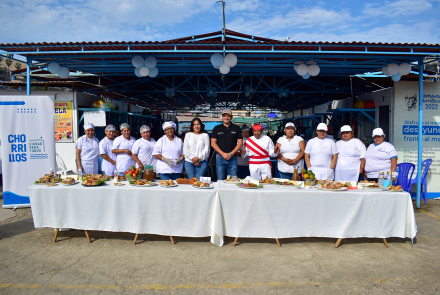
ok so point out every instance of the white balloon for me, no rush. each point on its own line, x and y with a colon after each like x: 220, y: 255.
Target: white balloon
x: 247, y: 94
x: 306, y: 76
x: 172, y: 94
x: 280, y: 94
x: 314, y: 70
x: 63, y: 72
x: 404, y: 69
x: 302, y: 69
x: 393, y: 69
x: 138, y: 61
x: 217, y: 59
x: 167, y: 89
x: 385, y: 71
x: 251, y: 90
x: 153, y: 72
x: 54, y: 67
x: 137, y: 73
x: 144, y: 71
x: 247, y: 88
x: 216, y: 67
x: 396, y: 77
x: 230, y: 60
x: 214, y: 94
x: 311, y: 62
x: 172, y: 89
x: 286, y: 90
x: 224, y: 69
x: 150, y: 62
x: 298, y: 62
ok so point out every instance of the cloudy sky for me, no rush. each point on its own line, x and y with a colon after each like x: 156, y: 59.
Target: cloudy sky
x: 414, y: 21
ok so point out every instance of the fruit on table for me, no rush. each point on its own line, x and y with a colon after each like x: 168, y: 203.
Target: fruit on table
x: 132, y: 168
x: 304, y: 171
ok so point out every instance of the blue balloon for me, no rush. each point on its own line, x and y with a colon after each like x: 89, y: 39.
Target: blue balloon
x: 396, y: 77
x: 306, y: 76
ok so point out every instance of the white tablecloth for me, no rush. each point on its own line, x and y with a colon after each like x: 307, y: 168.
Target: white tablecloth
x: 275, y: 213
x: 178, y: 211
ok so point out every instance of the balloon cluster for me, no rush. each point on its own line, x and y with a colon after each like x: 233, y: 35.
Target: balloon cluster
x: 224, y: 64
x: 305, y: 70
x: 145, y: 67
x: 283, y: 92
x: 55, y: 68
x: 396, y: 71
x: 211, y: 91
x: 248, y: 90
x: 169, y: 92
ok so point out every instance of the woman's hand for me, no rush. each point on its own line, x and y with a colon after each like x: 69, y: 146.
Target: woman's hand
x: 293, y: 162
x: 287, y: 161
x: 197, y: 164
x: 128, y: 152
x: 195, y: 160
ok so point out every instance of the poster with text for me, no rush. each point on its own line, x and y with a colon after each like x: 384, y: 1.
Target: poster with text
x: 63, y: 121
x: 406, y: 120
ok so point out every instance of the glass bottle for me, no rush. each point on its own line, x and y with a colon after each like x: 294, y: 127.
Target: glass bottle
x: 295, y: 175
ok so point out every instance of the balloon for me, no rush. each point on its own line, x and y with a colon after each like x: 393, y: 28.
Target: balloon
x: 393, y: 69
x: 150, y: 62
x: 172, y: 94
x: 230, y: 60
x: 314, y: 70
x: 54, y: 67
x: 216, y: 67
x: 280, y: 94
x: 153, y: 72
x: 217, y: 59
x: 311, y: 62
x: 251, y: 90
x: 137, y: 73
x: 63, y: 72
x: 214, y: 88
x: 302, y: 69
x: 224, y: 69
x: 247, y: 88
x: 247, y: 94
x: 396, y: 77
x: 298, y: 62
x: 306, y: 76
x: 385, y: 71
x: 138, y: 61
x: 167, y: 89
x: 208, y: 88
x: 404, y: 69
x: 144, y: 71
x: 286, y: 90
x: 214, y: 94
x: 210, y: 92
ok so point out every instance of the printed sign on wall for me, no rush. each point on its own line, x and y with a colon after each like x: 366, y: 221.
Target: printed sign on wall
x: 63, y: 121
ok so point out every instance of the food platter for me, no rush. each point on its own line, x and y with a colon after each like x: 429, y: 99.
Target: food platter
x: 67, y: 184
x: 335, y: 190
x: 209, y: 187
x: 173, y: 185
x: 118, y: 184
x: 230, y: 182
x: 51, y: 184
x: 373, y: 189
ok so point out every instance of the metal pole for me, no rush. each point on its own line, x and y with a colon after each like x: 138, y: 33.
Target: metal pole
x: 28, y: 75
x: 420, y: 139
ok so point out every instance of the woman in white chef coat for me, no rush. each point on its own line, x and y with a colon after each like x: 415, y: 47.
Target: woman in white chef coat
x: 142, y: 150
x: 169, y: 152
x: 196, y: 147
x: 108, y: 164
x: 321, y: 154
x: 351, y: 156
x: 122, y: 146
x: 291, y: 152
x: 87, y: 151
x: 380, y: 156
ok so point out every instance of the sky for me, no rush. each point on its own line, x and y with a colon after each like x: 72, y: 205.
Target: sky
x: 405, y: 21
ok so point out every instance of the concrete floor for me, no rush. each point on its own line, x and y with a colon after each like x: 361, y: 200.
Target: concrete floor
x: 32, y: 264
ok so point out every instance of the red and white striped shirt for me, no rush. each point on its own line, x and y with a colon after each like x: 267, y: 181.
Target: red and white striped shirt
x: 259, y: 150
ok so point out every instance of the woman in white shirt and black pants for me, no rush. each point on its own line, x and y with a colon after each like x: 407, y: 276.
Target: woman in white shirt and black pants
x: 196, y: 148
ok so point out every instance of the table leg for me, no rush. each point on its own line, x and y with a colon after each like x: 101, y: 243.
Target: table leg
x: 385, y: 242
x: 278, y: 243
x: 235, y: 241
x: 171, y: 238
x: 56, y: 234
x: 87, y: 235
x: 135, y: 239
x: 337, y: 243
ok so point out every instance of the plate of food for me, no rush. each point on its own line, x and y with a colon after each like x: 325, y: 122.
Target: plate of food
x: 290, y: 185
x: 267, y: 181
x: 93, y: 182
x: 118, y: 183
x: 167, y: 183
x: 232, y: 180
x: 69, y: 181
x: 51, y: 184
x: 248, y: 185
x: 335, y: 186
x: 95, y: 177
x: 201, y: 185
x: 373, y: 188
x: 142, y: 182
x: 47, y: 178
x: 395, y: 189
x: 121, y: 177
x: 186, y: 180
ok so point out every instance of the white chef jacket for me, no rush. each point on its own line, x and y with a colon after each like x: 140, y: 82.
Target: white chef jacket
x: 171, y: 150
x: 144, y: 150
x: 290, y: 150
x: 123, y: 160
x: 321, y: 152
x: 196, y: 145
x: 89, y: 154
x: 378, y: 158
x: 243, y: 160
x: 350, y: 154
x: 105, y: 148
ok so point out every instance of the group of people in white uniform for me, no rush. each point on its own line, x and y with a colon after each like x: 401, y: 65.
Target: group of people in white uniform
x: 344, y: 160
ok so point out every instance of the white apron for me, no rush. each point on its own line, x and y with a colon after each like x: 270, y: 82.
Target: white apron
x: 321, y: 160
x: 349, y: 162
x: 170, y: 150
x: 89, y: 156
x: 145, y: 154
x: 106, y: 148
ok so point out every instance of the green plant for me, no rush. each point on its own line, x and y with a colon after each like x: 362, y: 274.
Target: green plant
x: 17, y: 65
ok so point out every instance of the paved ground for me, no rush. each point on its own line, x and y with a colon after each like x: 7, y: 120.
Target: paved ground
x: 31, y: 264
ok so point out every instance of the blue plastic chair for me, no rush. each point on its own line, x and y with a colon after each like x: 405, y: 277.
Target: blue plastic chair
x: 405, y: 169
x: 425, y: 169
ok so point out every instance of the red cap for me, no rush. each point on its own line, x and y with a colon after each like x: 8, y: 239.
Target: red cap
x: 257, y: 127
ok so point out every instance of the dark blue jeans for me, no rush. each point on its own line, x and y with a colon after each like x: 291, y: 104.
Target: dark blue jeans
x: 166, y: 176
x: 286, y: 175
x: 194, y: 171
x: 224, y: 166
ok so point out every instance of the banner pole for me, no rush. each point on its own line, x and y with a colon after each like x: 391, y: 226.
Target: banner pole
x: 28, y: 75
x: 420, y: 139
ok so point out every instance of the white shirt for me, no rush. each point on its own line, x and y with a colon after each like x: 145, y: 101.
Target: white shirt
x: 378, y: 158
x: 105, y: 148
x: 265, y: 143
x: 144, y: 150
x: 123, y: 160
x: 196, y: 145
x: 243, y: 160
x: 321, y: 152
x: 350, y: 154
x: 89, y: 148
x: 290, y: 150
x: 171, y: 150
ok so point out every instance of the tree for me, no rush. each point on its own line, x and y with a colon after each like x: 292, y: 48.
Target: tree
x: 8, y: 62
x: 17, y: 65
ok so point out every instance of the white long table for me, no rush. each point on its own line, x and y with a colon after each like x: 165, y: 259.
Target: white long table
x: 271, y: 212
x: 178, y: 211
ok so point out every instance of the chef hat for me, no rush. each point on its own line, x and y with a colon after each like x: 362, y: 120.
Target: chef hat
x: 290, y: 124
x: 322, y: 126
x: 257, y: 127
x: 124, y: 125
x: 145, y: 128
x: 346, y: 128
x: 245, y: 127
x: 110, y: 128
x: 88, y: 126
x: 378, y: 132
x: 169, y: 124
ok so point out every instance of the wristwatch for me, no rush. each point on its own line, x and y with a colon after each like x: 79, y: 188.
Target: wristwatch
x: 231, y: 154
